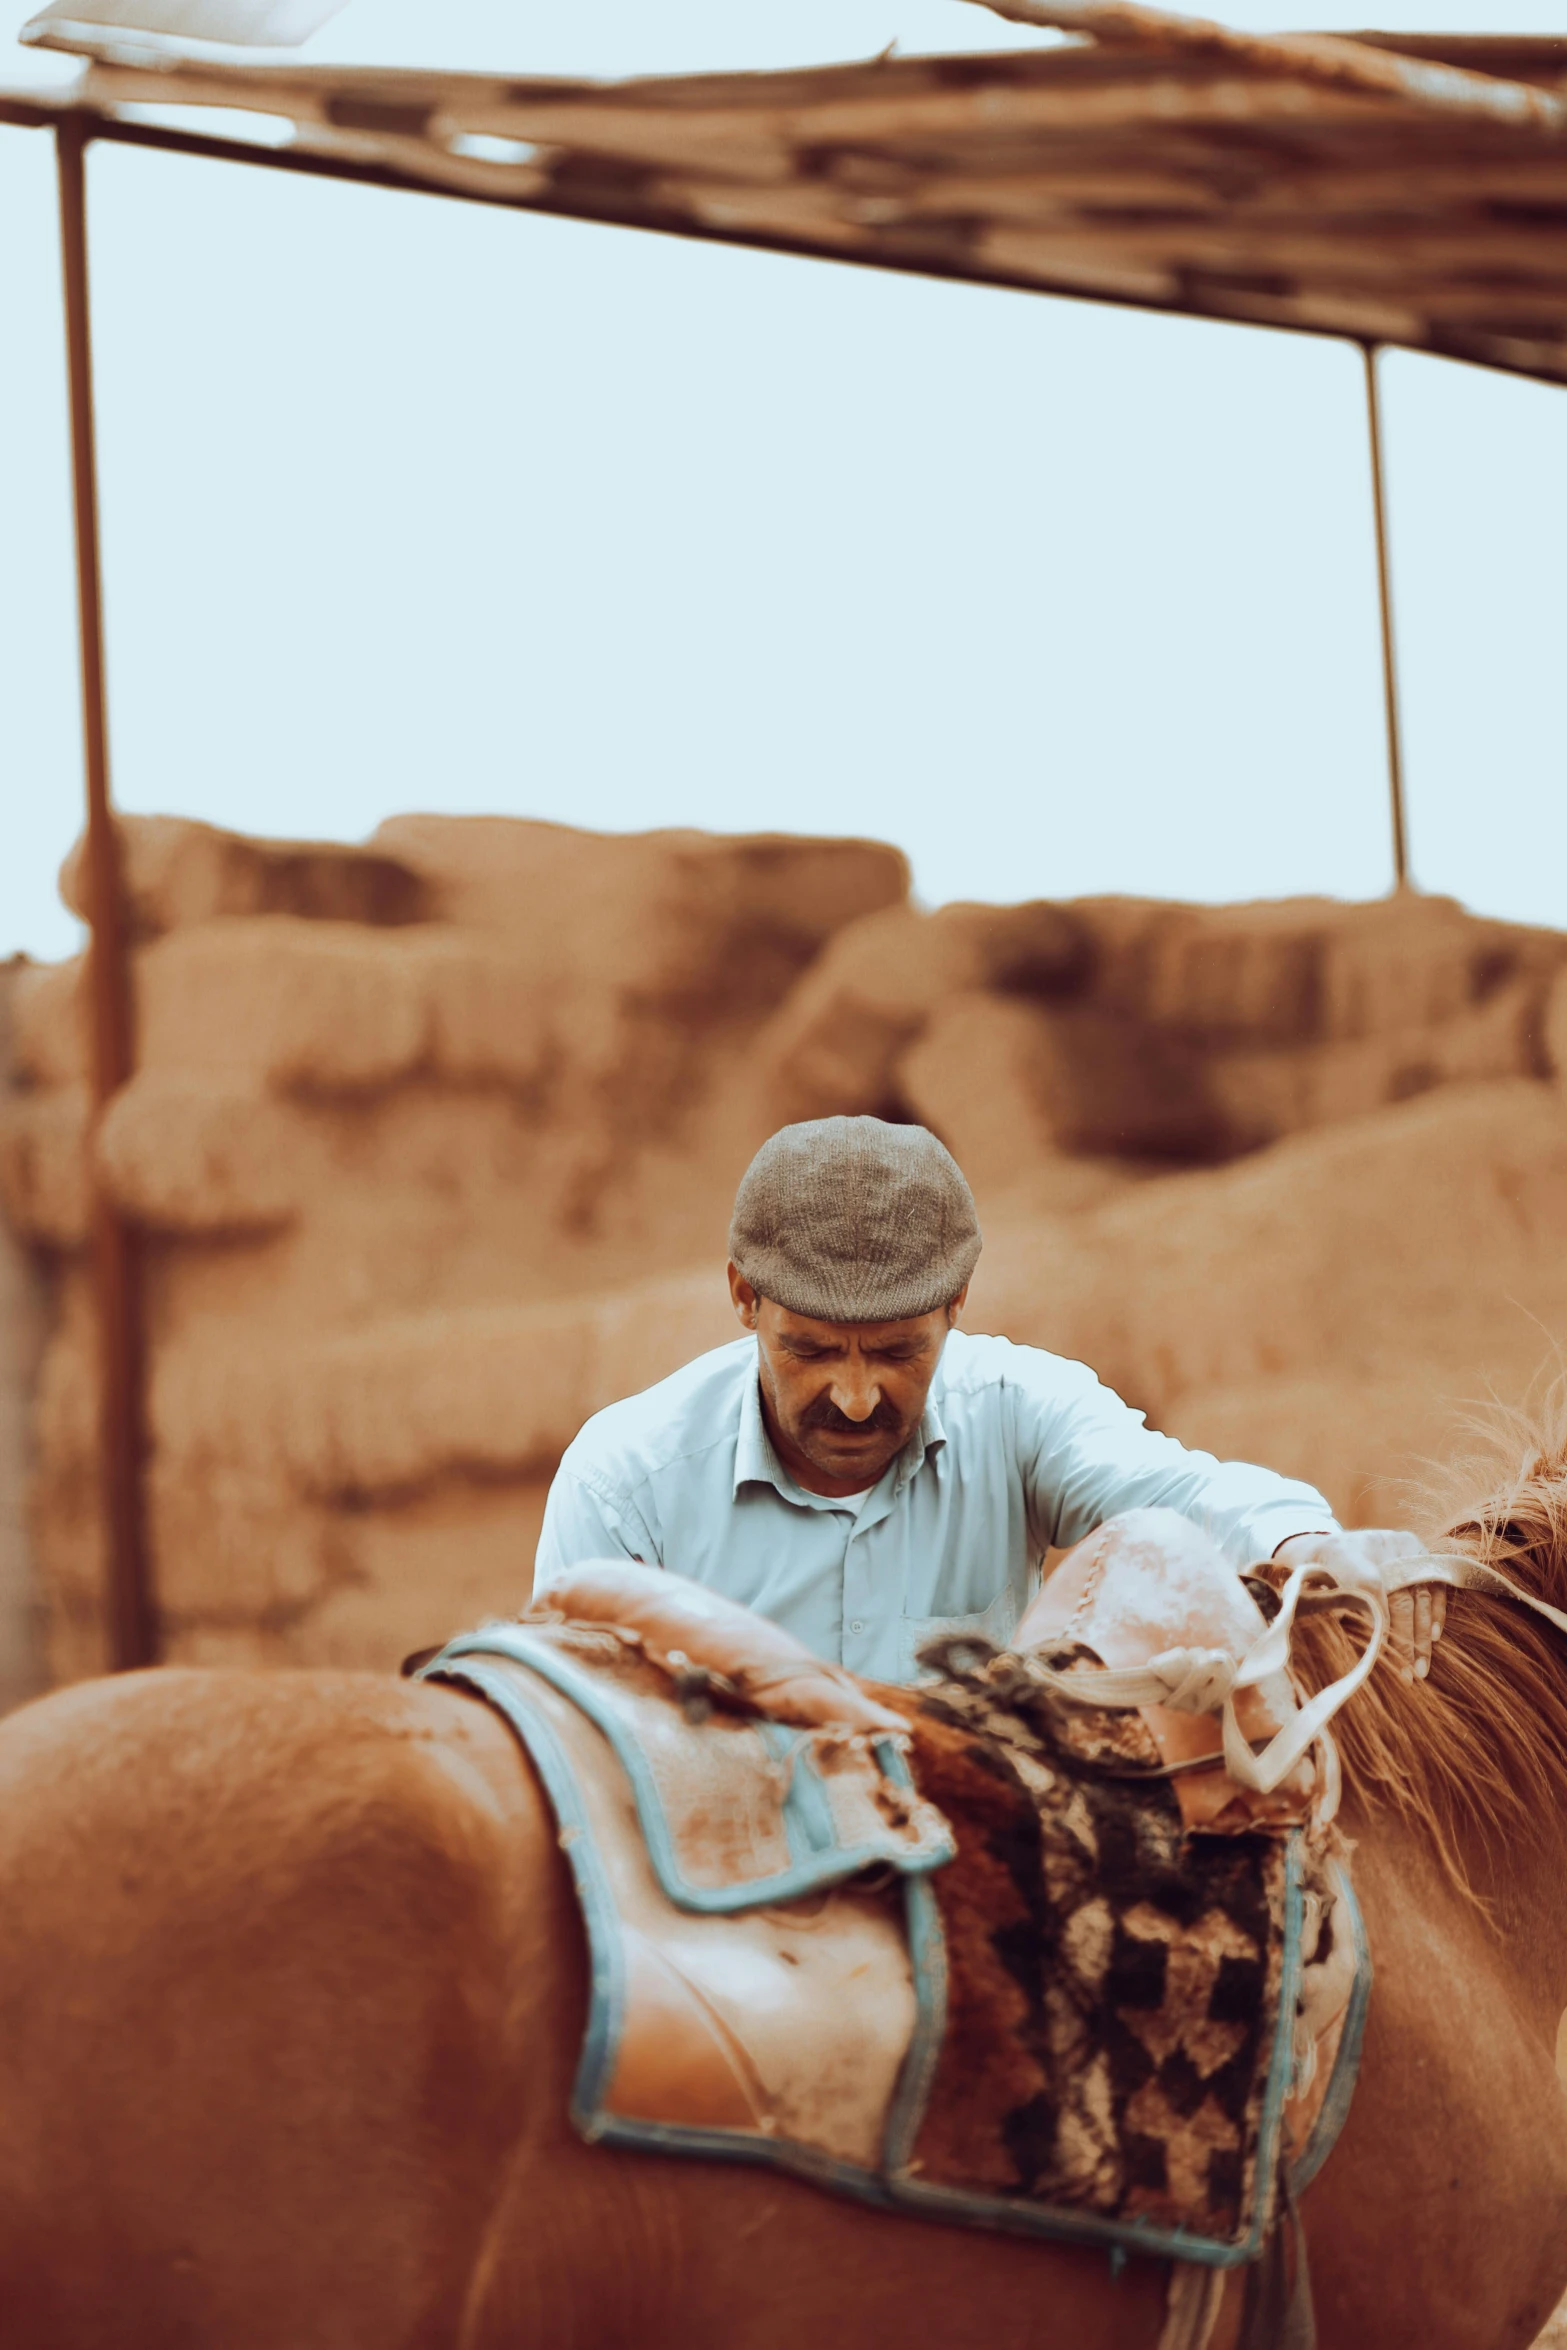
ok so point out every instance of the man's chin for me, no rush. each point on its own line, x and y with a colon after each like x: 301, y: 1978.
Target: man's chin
x: 848, y: 1456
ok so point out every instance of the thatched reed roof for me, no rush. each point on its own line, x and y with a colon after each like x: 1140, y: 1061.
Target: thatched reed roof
x: 1395, y: 189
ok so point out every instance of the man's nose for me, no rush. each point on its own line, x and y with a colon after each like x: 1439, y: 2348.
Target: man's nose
x: 855, y: 1394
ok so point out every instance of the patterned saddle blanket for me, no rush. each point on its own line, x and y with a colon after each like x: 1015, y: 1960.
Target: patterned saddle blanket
x: 979, y: 1968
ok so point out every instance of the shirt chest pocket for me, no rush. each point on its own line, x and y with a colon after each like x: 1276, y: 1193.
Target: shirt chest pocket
x: 995, y: 1623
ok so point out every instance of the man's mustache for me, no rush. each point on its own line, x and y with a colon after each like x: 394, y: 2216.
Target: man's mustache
x: 823, y: 1413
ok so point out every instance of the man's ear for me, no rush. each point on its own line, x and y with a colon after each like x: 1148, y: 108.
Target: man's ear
x: 956, y: 1307
x: 745, y: 1298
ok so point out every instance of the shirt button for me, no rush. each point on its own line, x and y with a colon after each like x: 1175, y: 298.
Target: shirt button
x: 857, y: 1625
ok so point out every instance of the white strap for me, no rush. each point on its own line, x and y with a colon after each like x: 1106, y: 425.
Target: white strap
x: 1192, y: 1680
x: 1265, y: 1771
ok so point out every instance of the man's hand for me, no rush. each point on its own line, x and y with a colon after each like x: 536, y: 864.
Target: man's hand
x: 1363, y: 1558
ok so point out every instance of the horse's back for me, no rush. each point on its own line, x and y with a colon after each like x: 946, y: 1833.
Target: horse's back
x: 262, y: 2051
x: 291, y: 1994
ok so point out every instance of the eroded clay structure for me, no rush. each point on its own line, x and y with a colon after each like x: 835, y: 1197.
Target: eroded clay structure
x: 433, y: 1144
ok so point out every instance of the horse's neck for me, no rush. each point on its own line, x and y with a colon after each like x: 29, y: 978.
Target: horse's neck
x: 1455, y: 2160
x: 1516, y: 1940
x: 1527, y: 1889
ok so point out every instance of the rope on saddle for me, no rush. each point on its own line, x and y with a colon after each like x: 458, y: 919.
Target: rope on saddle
x: 1205, y: 1680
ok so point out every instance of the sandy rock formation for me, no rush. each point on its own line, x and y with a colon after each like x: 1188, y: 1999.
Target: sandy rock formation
x: 1182, y: 1033
x: 411, y: 1128
x: 977, y: 1075
x: 177, y: 873
x: 1332, y: 1306
x: 202, y: 1152
x: 433, y: 1142
x: 836, y: 1045
x: 1554, y: 1027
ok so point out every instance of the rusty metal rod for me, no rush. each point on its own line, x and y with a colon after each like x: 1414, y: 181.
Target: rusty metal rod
x: 116, y: 1256
x: 1395, y: 745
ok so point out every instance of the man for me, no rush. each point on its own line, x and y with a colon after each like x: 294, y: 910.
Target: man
x: 869, y: 1476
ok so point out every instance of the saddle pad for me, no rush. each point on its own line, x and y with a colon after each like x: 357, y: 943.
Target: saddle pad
x: 782, y: 2034
x: 1121, y: 2043
x: 1083, y: 2025
x: 736, y: 1810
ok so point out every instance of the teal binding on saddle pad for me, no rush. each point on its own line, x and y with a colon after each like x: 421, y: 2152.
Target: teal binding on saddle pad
x: 488, y: 1662
x: 1334, y: 2111
x: 824, y: 1847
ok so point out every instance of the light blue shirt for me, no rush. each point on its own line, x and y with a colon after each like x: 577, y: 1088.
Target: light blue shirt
x: 1018, y: 1452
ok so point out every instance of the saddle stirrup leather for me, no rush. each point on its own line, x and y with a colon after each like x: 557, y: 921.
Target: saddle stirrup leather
x: 1192, y: 2309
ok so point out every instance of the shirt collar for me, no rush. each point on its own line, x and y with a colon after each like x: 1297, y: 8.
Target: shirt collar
x: 927, y: 1438
x: 756, y: 1463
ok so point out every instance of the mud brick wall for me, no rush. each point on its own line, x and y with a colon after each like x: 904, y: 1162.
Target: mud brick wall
x: 1186, y: 1034
x: 410, y: 1128
x: 432, y: 1145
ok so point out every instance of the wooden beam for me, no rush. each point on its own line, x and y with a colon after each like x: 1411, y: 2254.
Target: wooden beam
x: 1328, y: 61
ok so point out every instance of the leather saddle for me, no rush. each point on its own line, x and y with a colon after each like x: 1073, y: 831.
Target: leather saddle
x: 804, y: 1898
x: 714, y: 1647
x: 1149, y: 1586
x: 1146, y: 1586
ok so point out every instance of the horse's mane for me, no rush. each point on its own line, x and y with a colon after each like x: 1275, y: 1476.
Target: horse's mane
x: 1477, y: 1754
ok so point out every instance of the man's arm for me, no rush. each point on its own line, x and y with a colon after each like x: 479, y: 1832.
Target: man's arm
x: 1086, y: 1456
x: 583, y: 1521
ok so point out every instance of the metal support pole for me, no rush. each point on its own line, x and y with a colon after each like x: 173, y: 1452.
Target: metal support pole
x: 1395, y: 747
x: 116, y: 1257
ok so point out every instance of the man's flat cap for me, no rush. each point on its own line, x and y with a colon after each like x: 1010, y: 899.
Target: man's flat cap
x: 853, y: 1220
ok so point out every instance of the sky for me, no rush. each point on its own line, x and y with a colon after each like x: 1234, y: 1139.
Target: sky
x: 415, y: 505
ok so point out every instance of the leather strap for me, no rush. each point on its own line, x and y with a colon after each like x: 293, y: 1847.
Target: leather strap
x: 1192, y: 2305
x: 1279, y: 2313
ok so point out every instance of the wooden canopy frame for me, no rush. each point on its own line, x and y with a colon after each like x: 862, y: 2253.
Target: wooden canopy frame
x: 1381, y: 188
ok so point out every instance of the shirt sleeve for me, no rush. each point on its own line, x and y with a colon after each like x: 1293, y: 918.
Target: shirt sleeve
x: 583, y: 1520
x: 1085, y: 1455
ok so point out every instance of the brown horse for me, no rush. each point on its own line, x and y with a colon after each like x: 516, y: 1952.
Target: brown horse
x: 292, y: 1983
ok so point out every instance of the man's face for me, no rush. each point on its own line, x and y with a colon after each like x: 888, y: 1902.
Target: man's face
x: 842, y: 1398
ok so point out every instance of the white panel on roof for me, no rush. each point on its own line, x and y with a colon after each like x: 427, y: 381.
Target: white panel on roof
x: 267, y: 24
